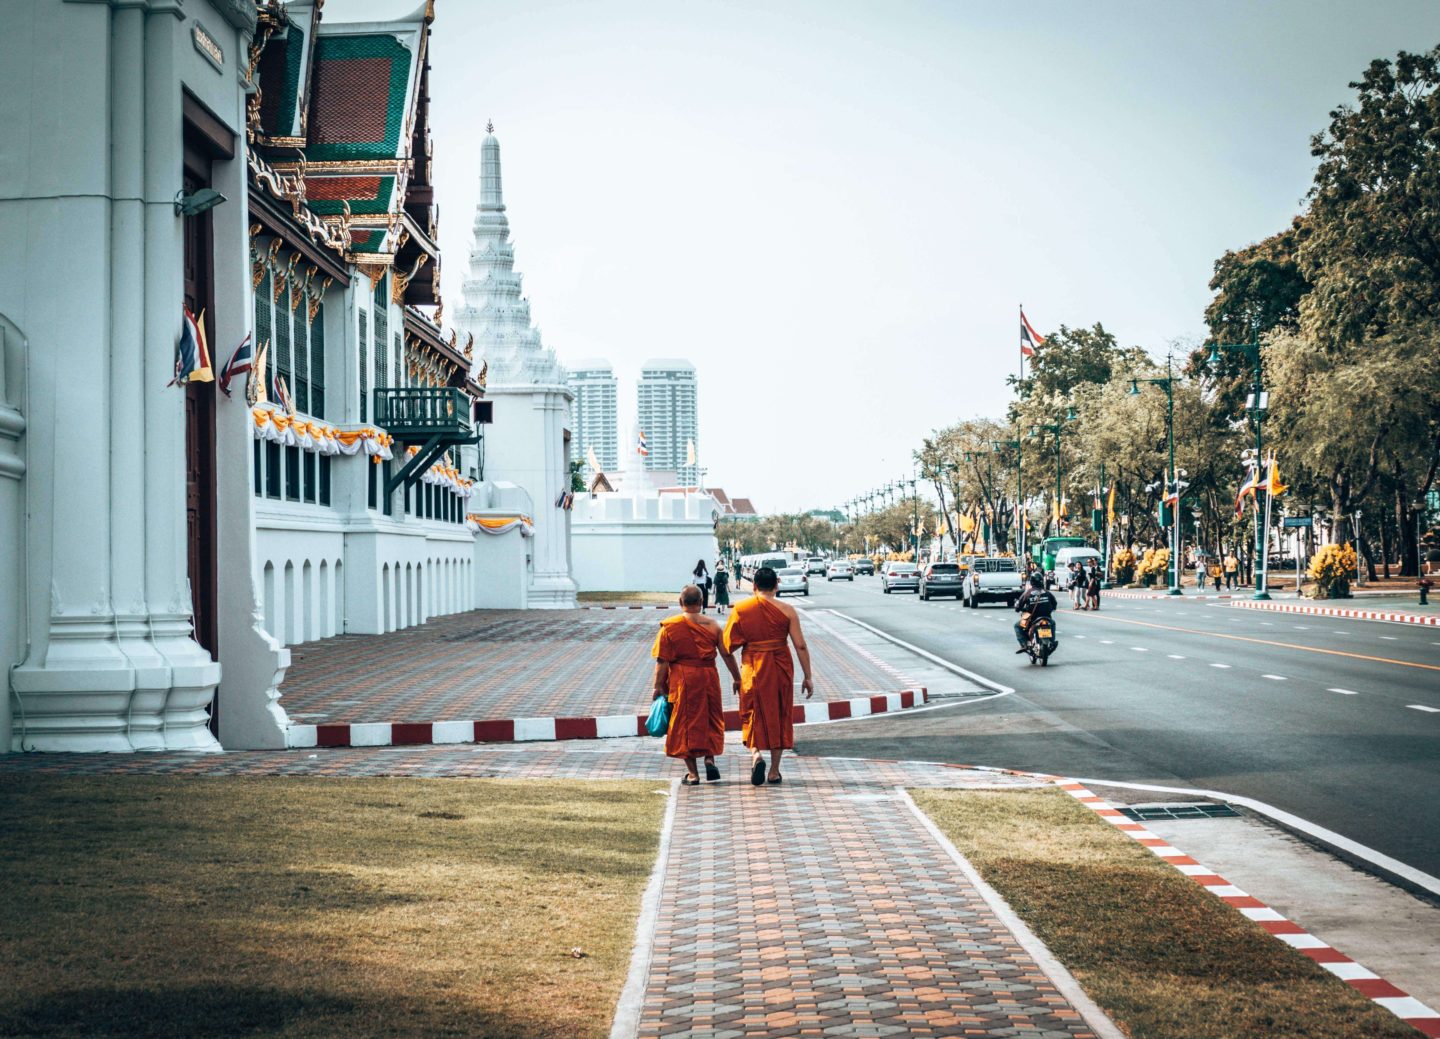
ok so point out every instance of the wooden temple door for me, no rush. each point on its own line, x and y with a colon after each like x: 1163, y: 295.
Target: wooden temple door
x: 200, y: 508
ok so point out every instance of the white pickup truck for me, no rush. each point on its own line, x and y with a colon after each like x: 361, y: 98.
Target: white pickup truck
x: 993, y: 579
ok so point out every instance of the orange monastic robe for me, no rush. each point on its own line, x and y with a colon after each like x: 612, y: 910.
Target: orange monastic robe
x: 767, y: 674
x: 697, y: 719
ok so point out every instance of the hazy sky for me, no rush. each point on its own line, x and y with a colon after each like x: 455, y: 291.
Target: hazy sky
x: 833, y: 208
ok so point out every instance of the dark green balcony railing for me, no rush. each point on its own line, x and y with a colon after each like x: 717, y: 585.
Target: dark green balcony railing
x: 418, y: 413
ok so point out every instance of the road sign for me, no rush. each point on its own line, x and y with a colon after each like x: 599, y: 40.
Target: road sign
x: 1298, y: 521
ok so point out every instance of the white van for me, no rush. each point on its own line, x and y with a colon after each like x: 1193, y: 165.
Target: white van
x: 1060, y: 576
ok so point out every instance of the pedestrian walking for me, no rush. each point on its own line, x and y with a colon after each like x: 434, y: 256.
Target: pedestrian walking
x: 702, y: 581
x: 685, y: 674
x: 722, y: 587
x: 1200, y: 574
x: 1092, y: 587
x: 765, y: 627
x: 1077, y: 585
x: 1232, y: 569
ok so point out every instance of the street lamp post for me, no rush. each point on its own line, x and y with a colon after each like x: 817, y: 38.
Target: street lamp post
x: 1018, y: 445
x: 1255, y: 406
x: 914, y: 514
x: 1167, y: 383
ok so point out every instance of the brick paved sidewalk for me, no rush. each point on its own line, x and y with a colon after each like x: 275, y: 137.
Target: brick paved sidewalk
x: 520, y: 664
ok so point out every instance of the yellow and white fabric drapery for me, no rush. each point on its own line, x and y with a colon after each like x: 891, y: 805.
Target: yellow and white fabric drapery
x: 444, y: 474
x: 500, y: 524
x: 278, y: 427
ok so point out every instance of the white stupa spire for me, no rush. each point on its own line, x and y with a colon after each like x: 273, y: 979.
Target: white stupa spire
x: 495, y: 309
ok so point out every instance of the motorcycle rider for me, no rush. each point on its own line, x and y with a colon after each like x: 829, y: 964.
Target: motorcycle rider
x: 1038, y: 601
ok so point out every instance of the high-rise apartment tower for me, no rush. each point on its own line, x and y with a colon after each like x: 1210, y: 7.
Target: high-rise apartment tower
x: 594, y: 420
x: 668, y: 416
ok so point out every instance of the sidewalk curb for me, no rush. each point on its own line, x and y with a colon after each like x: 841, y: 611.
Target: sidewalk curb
x: 1124, y: 593
x: 626, y: 1023
x: 1037, y: 950
x: 1365, y: 981
x: 647, y: 606
x: 525, y: 730
x: 1347, y: 614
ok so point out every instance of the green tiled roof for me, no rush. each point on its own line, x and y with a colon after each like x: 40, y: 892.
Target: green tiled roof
x: 360, y: 87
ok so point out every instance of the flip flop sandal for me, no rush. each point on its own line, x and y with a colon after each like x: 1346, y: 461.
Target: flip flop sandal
x: 757, y: 772
x: 711, y: 772
x: 777, y: 779
x: 689, y: 780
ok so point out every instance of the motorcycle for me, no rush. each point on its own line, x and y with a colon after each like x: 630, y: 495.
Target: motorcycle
x: 1041, y: 642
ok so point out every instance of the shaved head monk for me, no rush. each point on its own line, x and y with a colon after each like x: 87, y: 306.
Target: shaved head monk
x: 764, y: 626
x: 685, y: 673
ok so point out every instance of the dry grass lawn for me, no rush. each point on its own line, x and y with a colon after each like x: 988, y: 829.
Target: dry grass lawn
x: 628, y: 598
x: 1166, y: 959
x: 309, y: 907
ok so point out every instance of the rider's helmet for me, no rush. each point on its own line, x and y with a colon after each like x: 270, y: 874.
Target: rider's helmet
x: 1036, y: 580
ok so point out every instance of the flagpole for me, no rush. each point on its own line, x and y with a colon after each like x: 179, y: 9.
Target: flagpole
x: 1260, y: 578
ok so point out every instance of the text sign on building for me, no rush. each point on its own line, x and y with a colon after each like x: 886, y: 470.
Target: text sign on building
x: 1298, y: 521
x: 207, y: 45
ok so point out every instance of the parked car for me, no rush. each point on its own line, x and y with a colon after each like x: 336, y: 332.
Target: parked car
x: 815, y: 565
x: 865, y: 566
x: 940, y: 579
x: 793, y: 579
x: 905, y: 576
x: 1060, y: 576
x: 839, y: 570
x: 995, y: 579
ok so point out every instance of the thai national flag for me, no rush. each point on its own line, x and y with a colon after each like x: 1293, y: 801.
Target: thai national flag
x: 192, y: 353
x: 1029, y: 338
x: 240, y: 362
x: 641, y: 447
x: 282, y: 394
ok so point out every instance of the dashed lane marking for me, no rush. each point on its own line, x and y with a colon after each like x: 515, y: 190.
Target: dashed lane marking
x: 1389, y: 638
x: 1422, y: 707
x: 1138, y: 649
x: 1274, y: 678
x: 1223, y: 667
x: 1282, y: 645
x: 1174, y: 656
x: 1339, y: 633
x: 1343, y: 692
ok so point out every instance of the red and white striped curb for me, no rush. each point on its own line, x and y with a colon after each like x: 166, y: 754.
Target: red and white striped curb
x: 1433, y: 620
x: 1118, y: 593
x: 524, y: 730
x: 1363, y: 980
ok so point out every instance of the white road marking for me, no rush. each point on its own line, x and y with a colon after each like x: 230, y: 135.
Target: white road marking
x: 1175, y: 656
x: 1301, y: 627
x: 1107, y: 642
x: 1078, y: 636
x: 1274, y: 678
x: 1422, y: 707
x: 1343, y: 692
x: 1139, y: 649
x: 1340, y: 633
x: 1389, y: 638
x: 1221, y: 666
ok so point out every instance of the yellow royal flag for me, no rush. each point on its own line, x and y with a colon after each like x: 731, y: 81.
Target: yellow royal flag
x: 257, y: 375
x: 967, y: 523
x: 689, y: 452
x: 1111, y: 508
x: 590, y: 457
x: 1273, y: 486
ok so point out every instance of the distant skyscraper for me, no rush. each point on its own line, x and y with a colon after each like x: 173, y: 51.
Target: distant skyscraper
x: 594, y: 421
x: 669, y: 417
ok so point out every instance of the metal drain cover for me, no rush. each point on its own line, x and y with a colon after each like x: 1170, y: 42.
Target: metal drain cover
x: 1180, y: 810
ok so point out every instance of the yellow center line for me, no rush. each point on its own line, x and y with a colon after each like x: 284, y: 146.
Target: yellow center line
x: 1268, y: 642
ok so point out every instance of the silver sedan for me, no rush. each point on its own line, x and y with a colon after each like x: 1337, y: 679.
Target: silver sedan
x: 792, y: 581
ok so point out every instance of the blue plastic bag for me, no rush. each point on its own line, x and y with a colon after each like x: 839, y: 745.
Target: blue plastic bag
x: 658, y: 724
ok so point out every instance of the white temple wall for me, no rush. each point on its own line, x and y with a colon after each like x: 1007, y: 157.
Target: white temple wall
x: 526, y: 447
x: 93, y: 154
x: 628, y: 543
x: 12, y: 507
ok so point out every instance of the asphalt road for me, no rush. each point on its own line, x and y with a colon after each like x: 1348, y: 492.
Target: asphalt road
x: 1321, y: 717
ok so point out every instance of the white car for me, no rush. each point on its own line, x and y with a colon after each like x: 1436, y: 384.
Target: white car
x: 840, y: 570
x: 815, y: 565
x: 793, y: 579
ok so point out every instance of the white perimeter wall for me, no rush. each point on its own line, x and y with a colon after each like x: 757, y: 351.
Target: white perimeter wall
x: 641, y: 544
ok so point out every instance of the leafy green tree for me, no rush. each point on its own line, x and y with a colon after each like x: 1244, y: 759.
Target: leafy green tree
x: 1373, y: 252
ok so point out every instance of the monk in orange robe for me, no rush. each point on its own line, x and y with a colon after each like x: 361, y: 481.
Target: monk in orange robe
x: 685, y: 673
x: 762, y: 625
